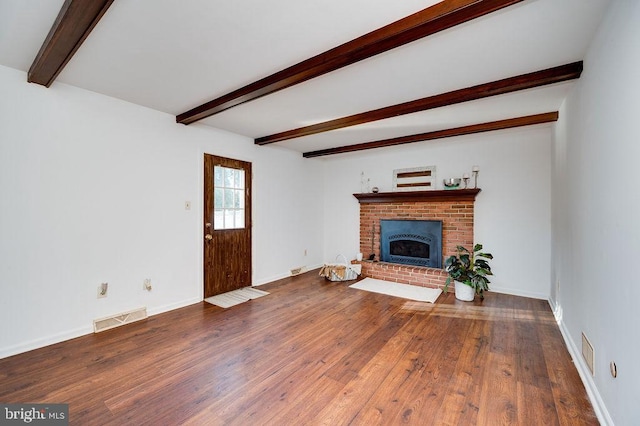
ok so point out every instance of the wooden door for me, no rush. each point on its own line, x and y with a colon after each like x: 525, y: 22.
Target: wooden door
x: 227, y: 224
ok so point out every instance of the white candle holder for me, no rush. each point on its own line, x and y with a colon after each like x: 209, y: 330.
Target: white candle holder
x: 475, y: 172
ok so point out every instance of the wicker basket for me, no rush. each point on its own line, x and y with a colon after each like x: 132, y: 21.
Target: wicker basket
x: 340, y: 271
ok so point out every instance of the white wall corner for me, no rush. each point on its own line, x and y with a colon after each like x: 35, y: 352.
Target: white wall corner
x: 556, y: 308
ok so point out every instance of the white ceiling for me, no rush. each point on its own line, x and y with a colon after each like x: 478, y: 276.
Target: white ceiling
x: 175, y: 55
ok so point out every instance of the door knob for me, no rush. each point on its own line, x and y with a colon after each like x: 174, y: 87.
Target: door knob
x: 208, y: 237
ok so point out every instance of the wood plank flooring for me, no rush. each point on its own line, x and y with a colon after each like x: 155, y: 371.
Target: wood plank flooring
x: 315, y: 352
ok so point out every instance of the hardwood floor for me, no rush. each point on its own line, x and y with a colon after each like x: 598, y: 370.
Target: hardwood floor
x: 315, y: 352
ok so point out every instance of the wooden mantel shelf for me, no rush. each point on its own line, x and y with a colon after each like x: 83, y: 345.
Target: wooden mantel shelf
x: 415, y: 196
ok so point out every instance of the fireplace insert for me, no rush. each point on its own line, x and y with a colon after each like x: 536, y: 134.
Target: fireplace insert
x: 411, y: 242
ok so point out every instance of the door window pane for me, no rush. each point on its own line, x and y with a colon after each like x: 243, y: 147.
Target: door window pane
x: 239, y: 178
x: 228, y: 198
x: 239, y: 219
x: 228, y: 178
x: 217, y: 176
x: 218, y: 197
x: 228, y: 219
x: 218, y: 219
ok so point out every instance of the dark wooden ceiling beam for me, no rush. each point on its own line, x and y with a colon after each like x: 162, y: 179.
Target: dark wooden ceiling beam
x: 529, y: 120
x: 500, y: 87
x: 431, y: 20
x: 72, y: 26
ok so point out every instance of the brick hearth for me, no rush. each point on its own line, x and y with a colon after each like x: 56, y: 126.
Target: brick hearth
x: 455, y: 208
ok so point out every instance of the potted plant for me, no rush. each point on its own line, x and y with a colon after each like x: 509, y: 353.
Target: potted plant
x: 469, y: 270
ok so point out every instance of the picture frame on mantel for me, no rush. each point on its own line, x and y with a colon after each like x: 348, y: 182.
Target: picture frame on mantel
x: 415, y: 179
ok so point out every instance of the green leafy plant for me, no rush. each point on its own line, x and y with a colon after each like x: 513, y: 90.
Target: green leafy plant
x: 470, y: 268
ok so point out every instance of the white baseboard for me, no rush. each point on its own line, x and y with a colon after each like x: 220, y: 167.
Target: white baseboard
x: 587, y: 379
x: 273, y: 278
x: 532, y: 295
x: 172, y: 306
x: 270, y: 279
x: 45, y: 341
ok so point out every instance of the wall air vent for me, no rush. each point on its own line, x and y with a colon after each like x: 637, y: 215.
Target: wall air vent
x: 117, y: 320
x: 588, y: 353
x: 297, y: 271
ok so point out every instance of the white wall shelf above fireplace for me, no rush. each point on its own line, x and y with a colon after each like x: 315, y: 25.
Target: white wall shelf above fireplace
x: 413, y: 196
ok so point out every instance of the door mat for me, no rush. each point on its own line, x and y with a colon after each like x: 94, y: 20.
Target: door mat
x: 235, y: 297
x: 406, y: 291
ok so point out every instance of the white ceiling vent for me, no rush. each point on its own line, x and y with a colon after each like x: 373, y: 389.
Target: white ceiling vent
x: 117, y: 320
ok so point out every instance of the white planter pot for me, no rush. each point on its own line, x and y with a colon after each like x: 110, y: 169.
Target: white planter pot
x: 464, y: 292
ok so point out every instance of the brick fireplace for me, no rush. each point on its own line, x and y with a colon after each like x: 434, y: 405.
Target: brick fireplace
x: 455, y: 208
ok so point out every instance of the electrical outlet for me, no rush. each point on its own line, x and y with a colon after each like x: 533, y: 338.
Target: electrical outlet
x: 146, y: 285
x: 102, y: 290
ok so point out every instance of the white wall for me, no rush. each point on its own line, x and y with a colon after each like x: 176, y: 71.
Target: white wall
x: 92, y: 189
x: 512, y: 213
x: 596, y: 205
